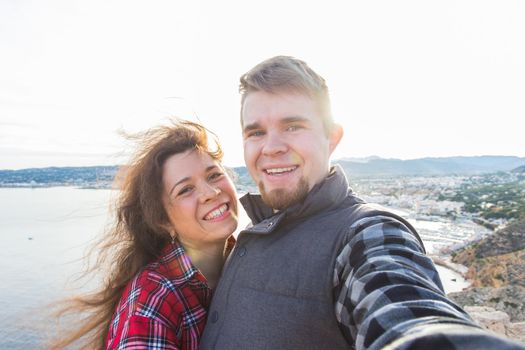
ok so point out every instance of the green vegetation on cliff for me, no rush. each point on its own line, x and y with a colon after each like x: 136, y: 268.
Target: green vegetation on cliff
x: 494, y: 196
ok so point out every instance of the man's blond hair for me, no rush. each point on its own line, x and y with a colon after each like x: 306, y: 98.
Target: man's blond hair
x: 288, y: 74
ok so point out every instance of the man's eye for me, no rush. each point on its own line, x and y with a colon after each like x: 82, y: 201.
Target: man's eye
x: 293, y: 127
x: 254, y: 133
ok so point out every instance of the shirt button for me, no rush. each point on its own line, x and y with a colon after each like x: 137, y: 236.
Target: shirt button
x: 214, y: 316
x: 242, y: 251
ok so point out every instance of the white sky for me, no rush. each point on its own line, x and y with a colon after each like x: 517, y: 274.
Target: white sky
x: 409, y: 79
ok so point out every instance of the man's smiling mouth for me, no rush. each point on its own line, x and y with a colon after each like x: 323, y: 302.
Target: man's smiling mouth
x: 280, y: 171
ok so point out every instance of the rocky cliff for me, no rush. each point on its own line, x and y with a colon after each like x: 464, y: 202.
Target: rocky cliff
x: 497, y: 260
x: 496, y: 267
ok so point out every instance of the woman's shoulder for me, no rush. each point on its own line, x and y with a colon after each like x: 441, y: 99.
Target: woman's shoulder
x: 152, y: 301
x: 150, y: 294
x: 169, y: 281
x: 170, y: 284
x: 145, y: 306
x: 156, y: 279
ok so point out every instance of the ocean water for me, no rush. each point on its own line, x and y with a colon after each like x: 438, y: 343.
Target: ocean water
x: 45, y: 232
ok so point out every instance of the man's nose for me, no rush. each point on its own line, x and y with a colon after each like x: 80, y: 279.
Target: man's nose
x: 274, y: 144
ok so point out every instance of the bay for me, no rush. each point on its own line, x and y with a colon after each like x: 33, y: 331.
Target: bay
x: 45, y: 233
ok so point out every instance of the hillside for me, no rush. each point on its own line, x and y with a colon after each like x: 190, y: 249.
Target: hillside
x: 520, y: 169
x: 496, y: 267
x: 430, y: 166
x: 508, y: 240
x: 243, y: 181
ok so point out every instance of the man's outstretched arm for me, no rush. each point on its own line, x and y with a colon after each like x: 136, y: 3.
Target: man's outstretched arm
x: 388, y: 291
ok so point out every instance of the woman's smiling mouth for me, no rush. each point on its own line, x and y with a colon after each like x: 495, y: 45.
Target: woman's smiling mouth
x: 217, y: 212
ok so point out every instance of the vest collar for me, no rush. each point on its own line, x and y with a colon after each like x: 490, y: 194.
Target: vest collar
x: 327, y: 194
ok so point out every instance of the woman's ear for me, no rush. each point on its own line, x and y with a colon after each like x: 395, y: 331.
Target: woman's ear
x: 335, y: 136
x: 168, y: 227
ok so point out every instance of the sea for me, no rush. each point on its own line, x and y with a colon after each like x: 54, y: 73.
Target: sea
x: 46, y: 232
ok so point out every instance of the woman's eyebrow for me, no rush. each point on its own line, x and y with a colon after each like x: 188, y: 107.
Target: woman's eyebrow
x: 178, y: 183
x: 187, y: 178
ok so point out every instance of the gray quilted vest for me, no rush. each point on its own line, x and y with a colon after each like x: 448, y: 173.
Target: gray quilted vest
x: 276, y: 291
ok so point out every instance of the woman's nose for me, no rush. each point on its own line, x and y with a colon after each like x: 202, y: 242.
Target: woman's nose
x: 209, y: 192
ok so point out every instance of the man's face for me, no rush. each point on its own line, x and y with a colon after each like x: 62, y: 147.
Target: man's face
x: 286, y: 149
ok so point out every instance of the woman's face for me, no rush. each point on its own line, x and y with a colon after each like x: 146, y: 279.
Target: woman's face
x: 199, y: 198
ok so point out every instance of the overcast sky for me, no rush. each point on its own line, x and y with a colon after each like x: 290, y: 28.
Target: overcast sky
x: 408, y: 79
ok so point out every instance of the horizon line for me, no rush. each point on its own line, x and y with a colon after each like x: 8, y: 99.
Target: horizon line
x: 348, y: 158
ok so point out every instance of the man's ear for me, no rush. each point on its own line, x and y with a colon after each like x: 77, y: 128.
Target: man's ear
x: 335, y: 136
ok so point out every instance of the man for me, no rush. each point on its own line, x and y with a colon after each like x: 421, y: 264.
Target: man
x: 319, y: 268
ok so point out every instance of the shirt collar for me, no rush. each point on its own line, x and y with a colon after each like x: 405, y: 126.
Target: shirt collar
x: 180, y: 268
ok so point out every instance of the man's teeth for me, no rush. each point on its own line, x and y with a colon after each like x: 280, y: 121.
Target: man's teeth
x: 217, y: 212
x: 276, y: 171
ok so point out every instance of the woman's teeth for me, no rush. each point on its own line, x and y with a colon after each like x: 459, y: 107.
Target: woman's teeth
x: 217, y: 212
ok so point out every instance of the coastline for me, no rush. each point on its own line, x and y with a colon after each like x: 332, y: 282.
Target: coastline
x: 453, y: 276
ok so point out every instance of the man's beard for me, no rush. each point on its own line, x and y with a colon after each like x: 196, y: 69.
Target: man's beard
x: 280, y: 198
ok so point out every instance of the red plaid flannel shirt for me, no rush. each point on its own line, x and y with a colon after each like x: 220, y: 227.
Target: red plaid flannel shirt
x: 164, y: 306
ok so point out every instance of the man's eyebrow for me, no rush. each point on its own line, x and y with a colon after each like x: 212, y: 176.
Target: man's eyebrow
x: 251, y: 126
x: 286, y: 120
x: 211, y: 167
x: 293, y: 119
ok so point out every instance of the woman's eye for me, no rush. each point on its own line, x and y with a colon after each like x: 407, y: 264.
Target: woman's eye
x: 215, y: 176
x: 185, y: 190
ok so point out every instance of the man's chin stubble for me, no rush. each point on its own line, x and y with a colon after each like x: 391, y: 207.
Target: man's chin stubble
x: 280, y: 199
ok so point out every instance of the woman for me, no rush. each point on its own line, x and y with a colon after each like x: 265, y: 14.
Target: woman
x: 175, y: 215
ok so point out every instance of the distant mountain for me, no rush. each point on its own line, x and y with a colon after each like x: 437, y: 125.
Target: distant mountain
x: 90, y: 177
x: 430, y: 166
x: 360, y: 160
x: 102, y: 176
